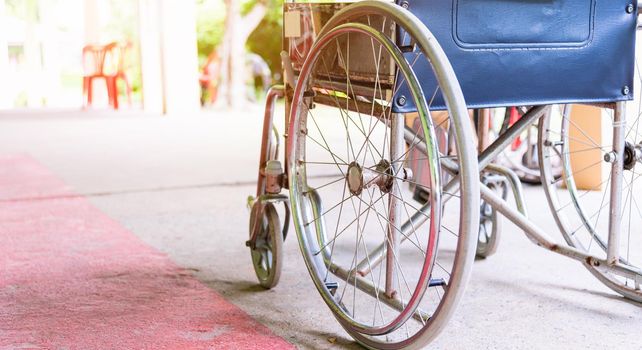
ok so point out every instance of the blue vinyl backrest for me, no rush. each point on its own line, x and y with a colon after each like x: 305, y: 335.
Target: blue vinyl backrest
x: 530, y: 52
x: 522, y: 23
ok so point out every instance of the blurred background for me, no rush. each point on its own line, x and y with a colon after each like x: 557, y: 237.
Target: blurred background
x: 159, y: 56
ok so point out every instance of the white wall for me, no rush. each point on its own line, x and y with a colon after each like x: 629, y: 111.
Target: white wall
x: 151, y: 59
x: 169, y: 56
x: 93, y: 22
x: 5, y: 101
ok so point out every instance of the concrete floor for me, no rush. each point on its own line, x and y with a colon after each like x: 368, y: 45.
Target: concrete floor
x: 180, y: 183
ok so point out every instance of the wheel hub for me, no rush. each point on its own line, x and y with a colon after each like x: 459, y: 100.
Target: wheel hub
x: 360, y: 178
x: 354, y: 177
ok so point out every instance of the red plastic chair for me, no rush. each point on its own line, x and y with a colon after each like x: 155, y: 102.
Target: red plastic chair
x: 115, y: 69
x: 108, y: 62
x: 210, y: 77
x: 93, y: 60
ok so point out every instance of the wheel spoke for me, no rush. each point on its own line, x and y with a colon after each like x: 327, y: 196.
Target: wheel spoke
x: 347, y: 226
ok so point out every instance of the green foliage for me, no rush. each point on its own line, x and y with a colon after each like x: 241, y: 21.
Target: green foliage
x: 24, y: 9
x: 210, y: 25
x: 274, y: 8
x: 264, y: 41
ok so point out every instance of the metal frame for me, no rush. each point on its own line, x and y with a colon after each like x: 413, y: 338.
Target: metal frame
x: 532, y: 230
x: 604, y: 271
x: 269, y: 149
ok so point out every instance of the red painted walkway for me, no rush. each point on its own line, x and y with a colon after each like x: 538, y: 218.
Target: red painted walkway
x: 72, y: 278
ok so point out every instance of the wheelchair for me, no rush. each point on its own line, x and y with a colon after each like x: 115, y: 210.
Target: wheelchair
x: 378, y: 97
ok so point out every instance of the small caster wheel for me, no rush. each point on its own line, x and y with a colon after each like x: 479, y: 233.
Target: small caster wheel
x: 267, y: 254
x: 490, y: 226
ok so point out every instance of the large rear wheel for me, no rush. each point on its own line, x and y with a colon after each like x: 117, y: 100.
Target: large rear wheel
x: 596, y: 200
x: 391, y: 269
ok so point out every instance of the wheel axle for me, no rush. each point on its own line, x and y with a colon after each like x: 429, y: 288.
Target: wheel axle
x: 382, y: 175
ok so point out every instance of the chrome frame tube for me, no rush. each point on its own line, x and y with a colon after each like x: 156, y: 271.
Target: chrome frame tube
x: 515, y: 184
x: 542, y: 239
x: 274, y: 93
x: 397, y: 146
x: 617, y: 170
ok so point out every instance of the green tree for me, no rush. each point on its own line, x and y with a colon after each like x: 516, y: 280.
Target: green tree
x: 266, y: 40
x: 233, y: 27
x: 240, y: 21
x: 210, y: 24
